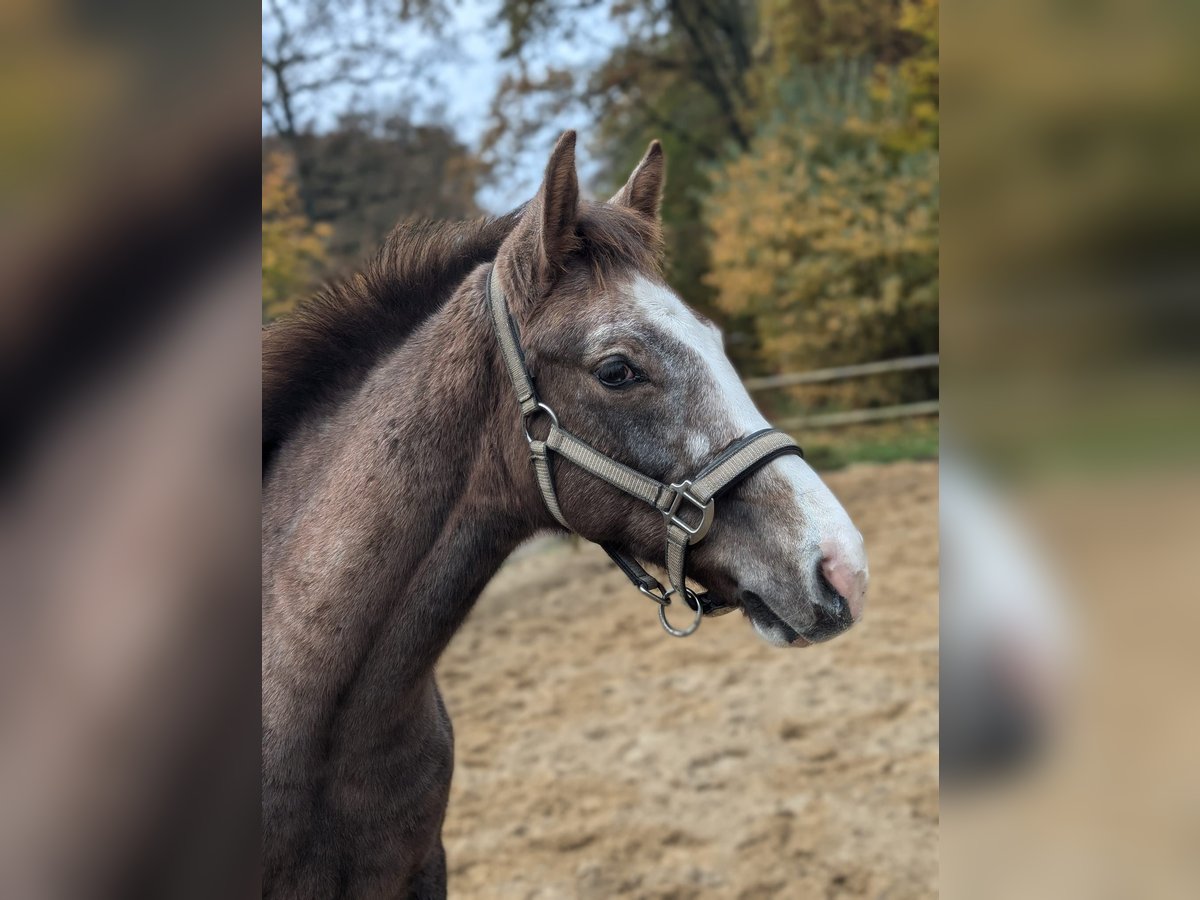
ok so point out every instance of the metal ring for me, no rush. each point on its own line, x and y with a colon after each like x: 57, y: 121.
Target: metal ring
x: 670, y: 629
x: 541, y: 407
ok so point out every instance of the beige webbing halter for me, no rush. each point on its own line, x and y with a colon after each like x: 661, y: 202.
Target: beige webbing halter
x: 697, y: 495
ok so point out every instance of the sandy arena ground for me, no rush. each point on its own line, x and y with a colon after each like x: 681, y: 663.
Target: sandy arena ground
x: 598, y: 757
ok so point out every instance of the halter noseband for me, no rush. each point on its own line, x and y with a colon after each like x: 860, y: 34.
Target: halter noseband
x: 695, y: 497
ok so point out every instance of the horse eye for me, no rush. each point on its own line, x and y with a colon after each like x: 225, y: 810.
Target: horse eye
x: 615, y: 373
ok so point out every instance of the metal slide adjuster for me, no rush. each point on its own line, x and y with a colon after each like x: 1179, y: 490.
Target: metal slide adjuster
x: 662, y: 598
x: 540, y: 408
x: 683, y: 492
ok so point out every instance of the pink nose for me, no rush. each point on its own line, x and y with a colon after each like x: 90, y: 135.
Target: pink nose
x: 844, y: 565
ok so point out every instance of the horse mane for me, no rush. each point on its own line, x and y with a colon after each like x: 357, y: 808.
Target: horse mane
x: 329, y: 344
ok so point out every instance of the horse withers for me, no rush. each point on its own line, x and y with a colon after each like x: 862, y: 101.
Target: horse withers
x: 397, y: 478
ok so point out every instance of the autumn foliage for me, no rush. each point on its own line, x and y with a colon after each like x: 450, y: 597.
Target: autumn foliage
x: 293, y: 248
x: 824, y: 235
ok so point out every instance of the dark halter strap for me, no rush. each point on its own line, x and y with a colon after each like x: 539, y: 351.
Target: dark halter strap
x: 688, y: 506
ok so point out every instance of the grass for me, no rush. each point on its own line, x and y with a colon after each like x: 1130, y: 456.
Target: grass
x: 884, y: 442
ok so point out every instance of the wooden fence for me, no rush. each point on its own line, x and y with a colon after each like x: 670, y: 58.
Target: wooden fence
x: 842, y: 373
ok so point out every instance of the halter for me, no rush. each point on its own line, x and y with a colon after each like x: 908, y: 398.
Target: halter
x: 694, y: 498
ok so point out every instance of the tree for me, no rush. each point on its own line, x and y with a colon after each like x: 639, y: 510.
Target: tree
x: 701, y: 75
x: 824, y: 235
x: 318, y: 52
x: 293, y: 248
x: 919, y: 73
x: 372, y: 171
x: 679, y: 72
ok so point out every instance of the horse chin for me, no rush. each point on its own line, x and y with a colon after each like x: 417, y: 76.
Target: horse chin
x: 815, y: 622
x: 777, y: 635
x: 771, y: 628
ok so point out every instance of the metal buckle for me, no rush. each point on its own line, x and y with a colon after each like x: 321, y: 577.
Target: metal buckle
x: 540, y: 408
x: 707, y: 510
x: 668, y: 627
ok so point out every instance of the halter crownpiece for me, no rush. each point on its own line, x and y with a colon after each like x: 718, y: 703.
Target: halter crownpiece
x: 688, y: 507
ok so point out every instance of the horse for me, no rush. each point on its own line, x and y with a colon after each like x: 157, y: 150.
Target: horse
x: 397, y: 479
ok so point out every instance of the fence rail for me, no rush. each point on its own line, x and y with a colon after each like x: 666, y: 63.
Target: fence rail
x: 842, y: 373
x: 860, y: 416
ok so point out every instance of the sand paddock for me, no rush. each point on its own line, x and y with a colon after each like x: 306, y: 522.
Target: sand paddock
x: 598, y: 757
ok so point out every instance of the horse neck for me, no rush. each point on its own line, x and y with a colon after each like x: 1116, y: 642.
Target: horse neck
x: 384, y: 522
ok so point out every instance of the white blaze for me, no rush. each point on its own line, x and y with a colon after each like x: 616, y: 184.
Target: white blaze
x: 665, y: 309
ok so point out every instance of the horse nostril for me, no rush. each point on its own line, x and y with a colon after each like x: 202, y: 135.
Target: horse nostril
x: 844, y: 568
x: 831, y: 615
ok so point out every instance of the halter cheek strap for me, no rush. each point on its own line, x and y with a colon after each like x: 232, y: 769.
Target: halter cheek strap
x: 688, y: 507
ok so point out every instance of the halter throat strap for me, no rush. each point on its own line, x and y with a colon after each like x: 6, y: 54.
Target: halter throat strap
x: 688, y: 507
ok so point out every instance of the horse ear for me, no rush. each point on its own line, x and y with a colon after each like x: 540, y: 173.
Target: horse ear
x: 643, y: 191
x: 558, y: 201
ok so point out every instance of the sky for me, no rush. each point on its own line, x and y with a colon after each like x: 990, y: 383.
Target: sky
x: 459, y: 79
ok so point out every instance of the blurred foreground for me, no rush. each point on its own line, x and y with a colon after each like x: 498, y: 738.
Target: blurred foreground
x: 1071, y: 387
x: 1076, y: 755
x: 129, y: 276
